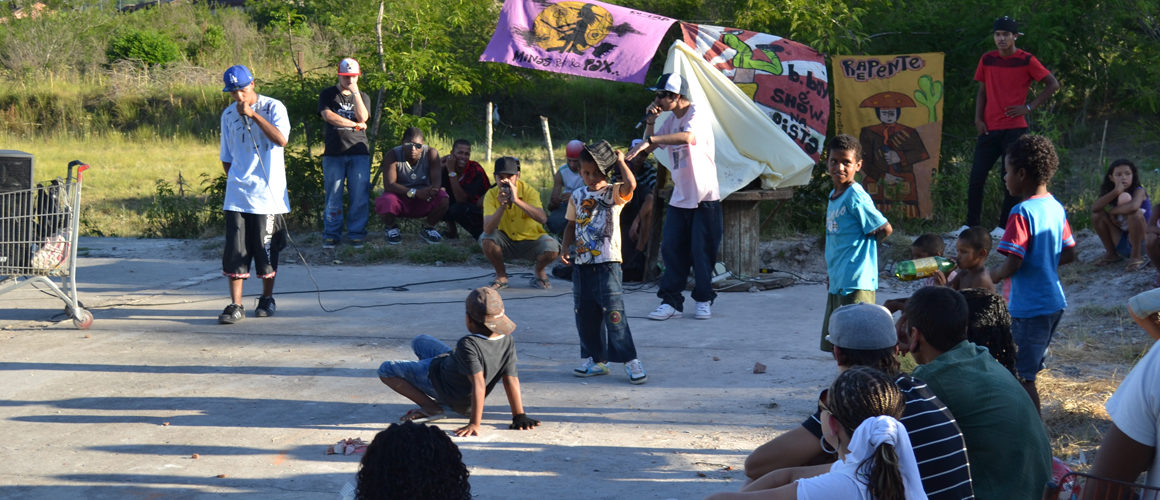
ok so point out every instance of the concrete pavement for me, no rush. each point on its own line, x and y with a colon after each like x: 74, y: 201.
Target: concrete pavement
x: 118, y: 411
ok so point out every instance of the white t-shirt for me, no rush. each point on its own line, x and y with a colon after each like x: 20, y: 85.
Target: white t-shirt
x: 840, y: 482
x: 1135, y: 407
x: 597, y: 218
x: 693, y: 165
x: 255, y: 187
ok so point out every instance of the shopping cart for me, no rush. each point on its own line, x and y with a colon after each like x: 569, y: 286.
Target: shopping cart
x: 38, y: 239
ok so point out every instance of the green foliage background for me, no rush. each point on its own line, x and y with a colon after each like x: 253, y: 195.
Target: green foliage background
x: 60, y: 76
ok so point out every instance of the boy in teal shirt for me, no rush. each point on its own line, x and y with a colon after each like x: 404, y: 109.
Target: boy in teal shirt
x: 853, y: 228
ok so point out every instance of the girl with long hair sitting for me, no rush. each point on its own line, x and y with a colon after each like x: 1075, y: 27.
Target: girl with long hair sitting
x: 859, y: 415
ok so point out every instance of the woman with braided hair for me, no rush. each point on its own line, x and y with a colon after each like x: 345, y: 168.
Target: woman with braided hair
x: 410, y: 461
x: 859, y: 414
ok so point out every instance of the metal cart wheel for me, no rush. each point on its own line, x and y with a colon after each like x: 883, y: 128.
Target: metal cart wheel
x: 83, y: 319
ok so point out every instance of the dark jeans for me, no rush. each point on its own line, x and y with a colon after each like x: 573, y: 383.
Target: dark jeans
x: 691, y: 237
x: 597, y: 295
x: 557, y: 219
x: 988, y: 148
x: 467, y: 215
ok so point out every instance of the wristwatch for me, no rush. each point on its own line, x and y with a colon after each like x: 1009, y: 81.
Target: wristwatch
x: 411, y: 193
x: 452, y: 175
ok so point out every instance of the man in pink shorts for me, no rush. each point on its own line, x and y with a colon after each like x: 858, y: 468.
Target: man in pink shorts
x: 412, y: 174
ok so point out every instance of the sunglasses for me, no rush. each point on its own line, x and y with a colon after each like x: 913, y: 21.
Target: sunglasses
x: 412, y: 145
x: 664, y: 94
x: 822, y: 398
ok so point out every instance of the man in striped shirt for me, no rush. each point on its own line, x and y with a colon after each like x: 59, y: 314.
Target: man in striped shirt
x: 864, y: 335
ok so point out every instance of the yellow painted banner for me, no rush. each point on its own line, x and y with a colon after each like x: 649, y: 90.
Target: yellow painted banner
x: 893, y: 104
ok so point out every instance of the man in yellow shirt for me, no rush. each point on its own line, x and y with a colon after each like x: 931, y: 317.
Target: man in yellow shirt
x: 513, y: 221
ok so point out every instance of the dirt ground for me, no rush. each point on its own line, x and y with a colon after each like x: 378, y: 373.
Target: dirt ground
x: 120, y: 411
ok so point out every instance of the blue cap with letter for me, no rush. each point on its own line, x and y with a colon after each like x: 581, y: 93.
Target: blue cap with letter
x: 236, y: 78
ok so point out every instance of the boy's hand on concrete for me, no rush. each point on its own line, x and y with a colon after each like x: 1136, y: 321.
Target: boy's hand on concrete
x: 522, y: 421
x: 468, y: 430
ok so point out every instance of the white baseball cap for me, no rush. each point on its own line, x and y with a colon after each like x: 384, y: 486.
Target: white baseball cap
x: 348, y: 67
x: 671, y: 82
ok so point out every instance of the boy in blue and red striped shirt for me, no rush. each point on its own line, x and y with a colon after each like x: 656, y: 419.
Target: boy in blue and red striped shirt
x: 1036, y: 242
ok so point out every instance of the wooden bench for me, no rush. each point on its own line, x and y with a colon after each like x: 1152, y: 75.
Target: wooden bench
x: 741, y: 235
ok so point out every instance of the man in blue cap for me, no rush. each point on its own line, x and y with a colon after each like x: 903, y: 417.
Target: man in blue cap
x: 255, y: 128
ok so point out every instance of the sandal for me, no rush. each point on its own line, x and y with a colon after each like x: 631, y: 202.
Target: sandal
x: 419, y: 416
x: 497, y: 285
x: 1135, y: 265
x: 542, y: 284
x: 1109, y: 259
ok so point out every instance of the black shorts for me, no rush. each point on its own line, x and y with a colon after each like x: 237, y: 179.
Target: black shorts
x: 253, y: 238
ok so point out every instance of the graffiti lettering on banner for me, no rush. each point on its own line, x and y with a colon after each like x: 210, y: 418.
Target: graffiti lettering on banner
x: 584, y: 38
x: 786, y: 79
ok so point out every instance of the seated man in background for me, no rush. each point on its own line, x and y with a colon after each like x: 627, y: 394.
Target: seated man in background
x: 513, y: 226
x: 1008, y: 445
x: 863, y: 335
x: 466, y: 184
x: 412, y: 176
x: 637, y: 217
x: 566, y: 180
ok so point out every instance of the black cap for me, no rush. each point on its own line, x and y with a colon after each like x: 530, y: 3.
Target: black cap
x: 1005, y: 23
x: 507, y: 165
x: 604, y: 156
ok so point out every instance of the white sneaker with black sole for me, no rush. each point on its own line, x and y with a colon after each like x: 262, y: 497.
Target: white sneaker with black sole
x: 635, y: 371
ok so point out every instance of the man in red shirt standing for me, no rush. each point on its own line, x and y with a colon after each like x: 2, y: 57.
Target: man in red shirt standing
x: 1001, y: 106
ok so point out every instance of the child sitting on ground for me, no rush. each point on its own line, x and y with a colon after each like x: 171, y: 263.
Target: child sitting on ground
x: 853, y: 228
x: 989, y: 324
x: 973, y: 246
x: 594, y: 229
x: 1121, y: 214
x: 859, y: 415
x: 461, y: 378
x: 410, y: 460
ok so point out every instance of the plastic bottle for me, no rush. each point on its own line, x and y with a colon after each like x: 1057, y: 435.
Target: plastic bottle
x: 909, y: 270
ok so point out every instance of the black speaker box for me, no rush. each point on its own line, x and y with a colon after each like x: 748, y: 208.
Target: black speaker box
x: 16, y: 201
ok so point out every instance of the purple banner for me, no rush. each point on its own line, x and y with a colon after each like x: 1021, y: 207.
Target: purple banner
x: 591, y: 39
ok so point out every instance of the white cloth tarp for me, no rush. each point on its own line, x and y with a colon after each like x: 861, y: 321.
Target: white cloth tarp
x: 749, y: 145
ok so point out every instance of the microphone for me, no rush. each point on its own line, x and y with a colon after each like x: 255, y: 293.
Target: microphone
x: 643, y: 121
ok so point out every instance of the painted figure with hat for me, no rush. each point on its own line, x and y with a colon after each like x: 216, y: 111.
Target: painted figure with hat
x: 460, y: 379
x: 693, y: 225
x: 254, y: 129
x: 1001, y: 109
x: 513, y: 226
x: 566, y: 180
x: 597, y: 278
x: 346, y: 161
x: 891, y: 150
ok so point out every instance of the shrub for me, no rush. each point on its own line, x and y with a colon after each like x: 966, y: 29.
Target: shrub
x: 174, y: 215
x: 147, y: 46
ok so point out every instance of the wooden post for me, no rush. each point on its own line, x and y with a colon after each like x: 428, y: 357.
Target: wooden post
x: 490, y: 109
x: 548, y: 143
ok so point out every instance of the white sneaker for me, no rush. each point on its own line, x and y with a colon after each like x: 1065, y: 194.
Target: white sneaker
x: 635, y: 372
x: 997, y: 233
x: 955, y: 233
x: 663, y: 312
x: 703, y: 311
